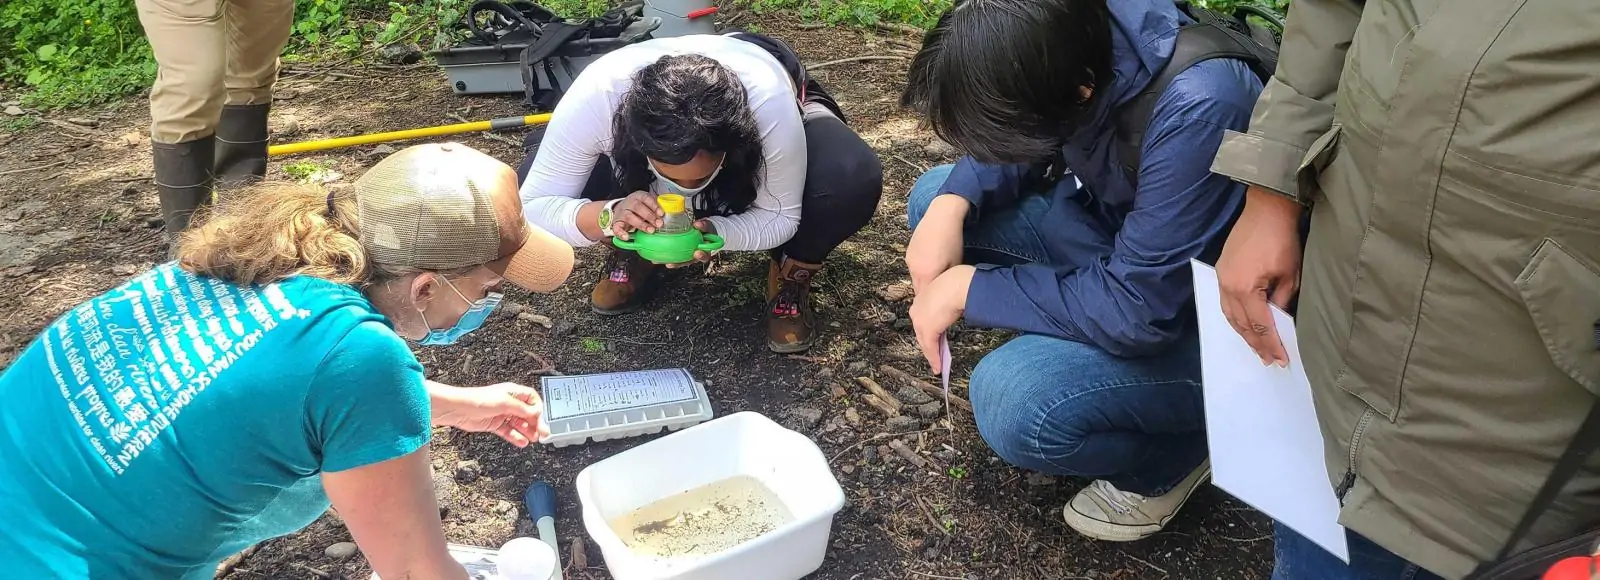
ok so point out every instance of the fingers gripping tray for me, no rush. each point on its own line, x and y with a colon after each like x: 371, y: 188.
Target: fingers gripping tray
x: 599, y: 407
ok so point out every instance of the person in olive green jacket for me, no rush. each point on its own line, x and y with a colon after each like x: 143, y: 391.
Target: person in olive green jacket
x: 1451, y: 279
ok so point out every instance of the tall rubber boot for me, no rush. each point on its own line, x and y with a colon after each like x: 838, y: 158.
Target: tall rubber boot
x: 241, y: 145
x: 183, y: 182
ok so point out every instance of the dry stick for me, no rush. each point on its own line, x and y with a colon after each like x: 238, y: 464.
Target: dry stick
x: 812, y: 25
x: 882, y: 393
x: 919, y: 168
x: 1157, y: 568
x: 882, y: 406
x: 811, y: 67
x: 929, y: 513
x: 935, y: 575
x: 906, y: 378
x: 313, y: 571
x: 39, y: 168
x: 900, y: 447
x: 902, y: 43
x: 878, y: 437
x: 580, y: 557
x: 231, y: 562
x: 905, y: 28
x: 68, y: 126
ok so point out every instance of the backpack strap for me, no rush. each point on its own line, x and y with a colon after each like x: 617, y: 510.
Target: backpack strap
x: 539, y: 52
x: 1577, y: 454
x: 1210, y: 36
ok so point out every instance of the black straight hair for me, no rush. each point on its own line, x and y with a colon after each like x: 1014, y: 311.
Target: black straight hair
x: 681, y: 105
x: 1003, y: 80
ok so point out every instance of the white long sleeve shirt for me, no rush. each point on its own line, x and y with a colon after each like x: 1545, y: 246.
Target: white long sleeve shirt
x: 580, y: 133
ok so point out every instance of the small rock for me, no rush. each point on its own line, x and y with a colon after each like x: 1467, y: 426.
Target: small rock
x: 334, y: 519
x: 912, y: 396
x: 130, y: 189
x: 902, y: 323
x: 19, y: 271
x: 886, y: 453
x: 124, y: 269
x: 284, y: 94
x: 125, y: 227
x: 133, y: 139
x: 10, y: 103
x: 939, y: 148
x: 1036, y: 479
x: 341, y: 550
x: 580, y: 555
x: 932, y: 410
x: 870, y: 454
x: 895, y: 292
x: 380, y: 151
x: 155, y: 223
x: 903, y: 424
x: 288, y: 125
x: 400, y: 53
x: 504, y: 507
x: 538, y: 319
x: 859, y: 366
x: 853, y: 416
x: 835, y: 324
x: 945, y: 455
x: 445, y: 489
x: 807, y: 416
x: 16, y: 214
x: 848, y: 469
x: 15, y: 111
x: 82, y: 122
x: 468, y: 470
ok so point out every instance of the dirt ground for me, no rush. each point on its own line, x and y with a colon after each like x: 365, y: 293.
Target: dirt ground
x: 78, y: 214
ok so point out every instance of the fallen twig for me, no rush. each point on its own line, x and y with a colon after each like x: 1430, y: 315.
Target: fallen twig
x: 902, y: 43
x: 905, y: 28
x: 883, y: 394
x: 889, y: 410
x: 228, y: 564
x: 812, y: 67
x: 917, y: 166
x: 1245, y: 540
x: 900, y: 448
x: 39, y: 168
x: 906, y: 378
x: 928, y: 512
x: 1157, y: 568
x: 580, y: 557
x: 131, y: 179
x: 312, y: 571
x: 935, y: 575
x: 809, y: 359
x: 69, y: 126
x: 812, y: 25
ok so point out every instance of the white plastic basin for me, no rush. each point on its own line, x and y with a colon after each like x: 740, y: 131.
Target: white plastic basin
x: 747, y: 443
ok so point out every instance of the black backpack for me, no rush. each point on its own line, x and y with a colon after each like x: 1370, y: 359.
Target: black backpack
x: 549, y: 40
x: 1212, y: 35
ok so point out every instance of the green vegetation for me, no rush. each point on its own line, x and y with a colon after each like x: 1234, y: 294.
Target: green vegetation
x: 70, y: 53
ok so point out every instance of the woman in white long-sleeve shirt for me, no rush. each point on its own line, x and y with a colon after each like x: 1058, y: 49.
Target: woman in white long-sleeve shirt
x: 734, y: 124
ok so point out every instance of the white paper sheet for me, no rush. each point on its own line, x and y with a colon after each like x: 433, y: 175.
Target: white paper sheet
x: 1266, y: 448
x: 574, y: 395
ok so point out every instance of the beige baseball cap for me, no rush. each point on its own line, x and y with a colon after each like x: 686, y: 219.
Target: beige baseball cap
x: 434, y: 207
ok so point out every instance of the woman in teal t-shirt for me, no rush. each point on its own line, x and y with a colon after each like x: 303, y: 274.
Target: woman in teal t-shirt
x: 209, y: 404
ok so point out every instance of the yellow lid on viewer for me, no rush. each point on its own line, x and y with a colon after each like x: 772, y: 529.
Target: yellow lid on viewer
x: 670, y: 202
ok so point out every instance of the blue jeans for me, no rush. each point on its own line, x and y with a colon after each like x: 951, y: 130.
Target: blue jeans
x: 1068, y: 408
x: 1298, y: 558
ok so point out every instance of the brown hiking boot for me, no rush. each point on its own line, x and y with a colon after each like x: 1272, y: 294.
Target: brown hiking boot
x: 791, y: 321
x: 626, y: 283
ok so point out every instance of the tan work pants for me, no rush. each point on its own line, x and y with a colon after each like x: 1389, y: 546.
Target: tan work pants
x: 211, y: 53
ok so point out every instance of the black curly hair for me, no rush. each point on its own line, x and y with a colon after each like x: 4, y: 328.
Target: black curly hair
x: 679, y: 106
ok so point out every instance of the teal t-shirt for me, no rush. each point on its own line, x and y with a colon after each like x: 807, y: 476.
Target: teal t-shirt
x: 177, y: 419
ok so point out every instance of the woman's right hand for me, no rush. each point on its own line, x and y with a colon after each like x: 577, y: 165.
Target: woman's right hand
x: 638, y: 211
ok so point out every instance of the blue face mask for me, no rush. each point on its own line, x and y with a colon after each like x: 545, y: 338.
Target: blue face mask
x: 471, y: 320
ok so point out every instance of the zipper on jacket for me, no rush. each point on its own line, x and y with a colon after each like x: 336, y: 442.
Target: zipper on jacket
x: 1355, y: 447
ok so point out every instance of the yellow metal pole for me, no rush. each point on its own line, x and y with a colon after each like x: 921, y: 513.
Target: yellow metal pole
x: 325, y: 144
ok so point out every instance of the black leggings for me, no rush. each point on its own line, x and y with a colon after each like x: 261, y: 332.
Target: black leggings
x: 844, y: 180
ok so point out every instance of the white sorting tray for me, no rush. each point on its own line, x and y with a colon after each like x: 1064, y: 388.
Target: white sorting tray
x: 598, y: 407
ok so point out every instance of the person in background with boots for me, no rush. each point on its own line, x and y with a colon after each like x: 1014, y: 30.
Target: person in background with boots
x: 732, y: 123
x: 1093, y: 267
x: 217, y: 61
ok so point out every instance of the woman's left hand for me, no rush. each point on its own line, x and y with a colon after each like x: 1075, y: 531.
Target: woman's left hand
x: 705, y: 227
x: 509, y: 410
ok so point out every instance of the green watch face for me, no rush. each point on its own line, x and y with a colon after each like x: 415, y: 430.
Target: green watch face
x: 605, y: 218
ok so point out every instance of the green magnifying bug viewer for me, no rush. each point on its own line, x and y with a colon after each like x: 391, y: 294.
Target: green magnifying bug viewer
x: 676, y: 241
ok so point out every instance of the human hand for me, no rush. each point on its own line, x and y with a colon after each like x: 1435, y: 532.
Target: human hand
x: 937, y: 307
x: 936, y: 245
x: 1261, y: 261
x: 509, y: 410
x: 705, y: 227
x: 638, y: 211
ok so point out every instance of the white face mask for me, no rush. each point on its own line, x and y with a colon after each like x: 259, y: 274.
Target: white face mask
x: 670, y: 186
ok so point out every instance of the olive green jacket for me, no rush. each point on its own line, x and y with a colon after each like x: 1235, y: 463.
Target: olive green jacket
x: 1450, y: 151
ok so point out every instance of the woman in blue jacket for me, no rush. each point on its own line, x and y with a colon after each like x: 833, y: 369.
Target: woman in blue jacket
x: 1091, y: 265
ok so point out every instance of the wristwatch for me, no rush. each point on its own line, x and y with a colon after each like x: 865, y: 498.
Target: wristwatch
x: 606, y: 215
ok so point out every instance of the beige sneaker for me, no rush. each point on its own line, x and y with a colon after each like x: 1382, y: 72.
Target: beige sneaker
x: 1103, y: 512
